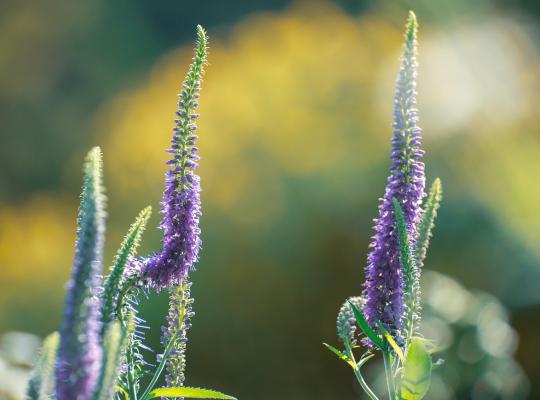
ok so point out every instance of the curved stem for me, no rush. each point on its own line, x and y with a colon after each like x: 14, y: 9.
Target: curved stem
x: 358, y: 374
x: 130, y: 284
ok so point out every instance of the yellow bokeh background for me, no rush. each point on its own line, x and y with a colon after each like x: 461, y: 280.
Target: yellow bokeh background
x: 294, y: 138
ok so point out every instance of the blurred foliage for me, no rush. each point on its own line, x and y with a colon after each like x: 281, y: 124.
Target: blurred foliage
x: 295, y: 116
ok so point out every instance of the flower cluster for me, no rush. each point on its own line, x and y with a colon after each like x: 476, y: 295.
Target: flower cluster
x: 388, y: 312
x: 384, y: 281
x: 99, y: 353
x: 181, y: 205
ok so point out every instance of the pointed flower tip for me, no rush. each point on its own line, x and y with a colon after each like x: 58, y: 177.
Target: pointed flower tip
x: 202, y: 39
x: 93, y: 164
x: 94, y: 155
x: 146, y: 212
x: 201, y: 33
x: 437, y: 190
x: 412, y: 27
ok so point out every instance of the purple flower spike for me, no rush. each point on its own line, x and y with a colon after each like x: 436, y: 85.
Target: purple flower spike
x: 383, y: 289
x: 181, y: 205
x: 79, y: 354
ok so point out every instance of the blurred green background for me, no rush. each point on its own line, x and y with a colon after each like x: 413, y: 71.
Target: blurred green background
x: 294, y: 139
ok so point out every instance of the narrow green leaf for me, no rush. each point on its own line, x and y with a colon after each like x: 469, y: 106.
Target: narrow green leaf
x: 339, y: 354
x: 191, y: 393
x: 363, y: 324
x: 115, y: 339
x: 41, y: 384
x: 113, y: 282
x: 365, y: 358
x: 391, y: 341
x: 416, y: 376
x: 427, y: 223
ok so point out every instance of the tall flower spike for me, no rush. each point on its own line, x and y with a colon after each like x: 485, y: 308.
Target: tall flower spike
x: 181, y: 205
x: 384, y: 282
x: 79, y: 353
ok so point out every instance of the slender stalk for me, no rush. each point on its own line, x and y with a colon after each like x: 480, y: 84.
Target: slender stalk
x: 390, y: 383
x: 130, y: 377
x: 358, y: 374
x: 159, y: 369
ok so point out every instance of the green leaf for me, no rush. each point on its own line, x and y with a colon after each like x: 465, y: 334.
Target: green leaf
x: 339, y: 354
x: 427, y: 223
x: 391, y: 341
x: 115, y: 340
x: 364, y: 359
x: 416, y: 376
x: 41, y: 384
x: 363, y: 324
x: 113, y: 282
x: 190, y: 393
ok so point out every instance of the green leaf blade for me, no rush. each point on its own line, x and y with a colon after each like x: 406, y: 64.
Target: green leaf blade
x: 363, y: 324
x: 416, y: 377
x: 190, y: 393
x: 391, y: 341
x: 339, y: 354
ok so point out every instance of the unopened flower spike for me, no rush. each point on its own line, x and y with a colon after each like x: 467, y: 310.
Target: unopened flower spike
x: 383, y: 289
x: 180, y: 312
x: 181, y: 204
x: 427, y: 224
x: 346, y: 322
x: 411, y: 276
x: 79, y: 352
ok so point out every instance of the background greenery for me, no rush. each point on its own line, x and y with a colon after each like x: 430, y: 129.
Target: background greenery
x: 294, y: 139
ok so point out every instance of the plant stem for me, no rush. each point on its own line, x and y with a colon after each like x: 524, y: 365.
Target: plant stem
x: 389, y: 374
x: 146, y: 394
x: 358, y: 374
x: 130, y: 378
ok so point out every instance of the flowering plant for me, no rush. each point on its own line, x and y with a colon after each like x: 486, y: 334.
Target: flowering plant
x: 97, y: 353
x: 388, y: 312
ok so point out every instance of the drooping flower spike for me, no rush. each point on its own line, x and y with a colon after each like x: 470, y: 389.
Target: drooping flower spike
x: 383, y: 288
x: 79, y: 353
x: 181, y: 204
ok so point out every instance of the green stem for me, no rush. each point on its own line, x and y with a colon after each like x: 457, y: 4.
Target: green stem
x: 130, y: 378
x: 146, y: 394
x: 390, y: 383
x: 130, y: 284
x: 358, y: 374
